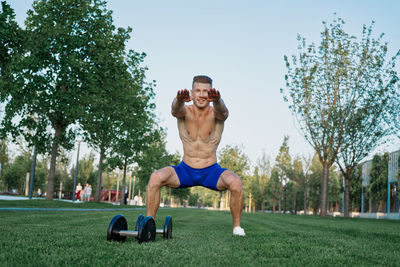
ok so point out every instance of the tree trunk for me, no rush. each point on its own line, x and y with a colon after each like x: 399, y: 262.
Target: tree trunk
x: 324, y: 189
x: 99, y: 177
x: 221, y: 201
x: 295, y: 202
x: 280, y: 204
x: 52, y: 174
x: 346, y: 197
x: 273, y: 205
x: 284, y: 199
x: 122, y: 201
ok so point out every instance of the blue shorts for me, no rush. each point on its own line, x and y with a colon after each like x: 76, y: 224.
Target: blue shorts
x: 207, y: 177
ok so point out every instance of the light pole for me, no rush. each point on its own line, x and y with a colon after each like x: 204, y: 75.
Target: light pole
x: 32, y: 172
x: 76, y: 171
x: 33, y: 165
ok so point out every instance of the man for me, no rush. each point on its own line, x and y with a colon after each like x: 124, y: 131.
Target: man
x: 200, y: 128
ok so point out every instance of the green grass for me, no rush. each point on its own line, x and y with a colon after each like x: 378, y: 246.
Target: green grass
x: 200, y: 238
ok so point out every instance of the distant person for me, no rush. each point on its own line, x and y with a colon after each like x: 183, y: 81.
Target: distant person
x: 85, y: 189
x: 78, y: 191
x: 88, y: 192
x: 200, y: 128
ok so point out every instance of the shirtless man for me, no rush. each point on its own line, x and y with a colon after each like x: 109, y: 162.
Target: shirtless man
x: 200, y: 128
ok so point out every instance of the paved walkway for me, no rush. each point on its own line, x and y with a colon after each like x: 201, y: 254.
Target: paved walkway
x: 8, y: 197
x: 66, y: 209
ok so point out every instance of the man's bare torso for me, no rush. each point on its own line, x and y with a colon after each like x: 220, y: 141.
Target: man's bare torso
x: 200, y: 133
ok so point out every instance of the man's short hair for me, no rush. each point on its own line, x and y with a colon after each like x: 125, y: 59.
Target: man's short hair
x: 201, y: 79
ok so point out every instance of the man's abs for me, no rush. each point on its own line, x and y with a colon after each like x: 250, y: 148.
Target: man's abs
x: 199, y: 158
x: 200, y: 138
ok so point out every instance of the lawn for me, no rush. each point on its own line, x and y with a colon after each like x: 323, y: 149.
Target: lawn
x: 200, y: 238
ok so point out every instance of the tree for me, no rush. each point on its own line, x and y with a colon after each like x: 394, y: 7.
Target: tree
x: 368, y: 91
x: 273, y: 188
x: 299, y: 180
x: 355, y: 187
x: 58, y: 74
x: 154, y: 157
x: 4, y: 157
x: 283, y: 165
x: 14, y: 175
x: 304, y: 178
x: 314, y: 190
x: 136, y: 118
x: 105, y: 105
x: 12, y: 45
x: 259, y: 181
x: 378, y: 180
x: 234, y: 159
x: 335, y: 90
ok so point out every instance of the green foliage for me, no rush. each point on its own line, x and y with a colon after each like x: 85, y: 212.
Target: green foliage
x: 154, y: 157
x: 12, y: 42
x: 378, y: 178
x: 15, y: 172
x: 234, y: 159
x: 56, y: 75
x: 14, y: 176
x: 86, y: 173
x: 283, y: 168
x: 4, y: 156
x: 75, y: 72
x: 356, y: 188
x: 315, y: 184
x: 273, y: 189
x: 339, y: 93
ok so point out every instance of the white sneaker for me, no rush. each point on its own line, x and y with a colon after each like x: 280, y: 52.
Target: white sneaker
x: 238, y: 231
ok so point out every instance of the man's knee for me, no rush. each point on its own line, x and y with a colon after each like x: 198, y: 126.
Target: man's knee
x: 235, y: 185
x: 156, y: 180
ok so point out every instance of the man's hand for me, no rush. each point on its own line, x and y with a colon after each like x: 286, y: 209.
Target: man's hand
x: 183, y: 95
x: 213, y: 95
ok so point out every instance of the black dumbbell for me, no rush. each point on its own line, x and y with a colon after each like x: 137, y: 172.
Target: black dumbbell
x: 118, y: 230
x: 166, y: 231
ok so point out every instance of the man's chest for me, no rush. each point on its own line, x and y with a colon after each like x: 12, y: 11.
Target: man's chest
x: 199, y: 128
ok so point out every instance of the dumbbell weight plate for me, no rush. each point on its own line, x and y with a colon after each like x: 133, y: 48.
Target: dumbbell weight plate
x: 118, y: 223
x: 167, y: 228
x: 147, y: 230
x: 138, y: 221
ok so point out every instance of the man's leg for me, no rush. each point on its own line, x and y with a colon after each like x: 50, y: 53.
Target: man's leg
x: 158, y: 179
x: 231, y: 181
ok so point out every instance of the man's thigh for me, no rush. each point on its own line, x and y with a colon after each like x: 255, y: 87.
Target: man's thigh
x: 226, y: 179
x: 168, y: 177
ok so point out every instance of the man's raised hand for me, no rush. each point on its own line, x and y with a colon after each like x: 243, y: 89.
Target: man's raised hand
x: 213, y: 95
x: 183, y: 95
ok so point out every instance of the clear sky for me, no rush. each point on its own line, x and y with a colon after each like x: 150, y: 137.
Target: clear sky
x: 240, y: 45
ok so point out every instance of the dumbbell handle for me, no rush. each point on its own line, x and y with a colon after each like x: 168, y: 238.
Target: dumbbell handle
x: 129, y: 233
x: 159, y: 231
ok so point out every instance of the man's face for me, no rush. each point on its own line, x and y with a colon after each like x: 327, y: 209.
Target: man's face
x: 200, y: 94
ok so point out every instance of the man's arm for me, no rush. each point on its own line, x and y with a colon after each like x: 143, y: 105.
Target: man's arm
x: 178, y: 108
x: 220, y: 110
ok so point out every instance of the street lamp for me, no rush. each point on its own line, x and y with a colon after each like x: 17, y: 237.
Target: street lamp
x: 32, y: 172
x: 33, y: 166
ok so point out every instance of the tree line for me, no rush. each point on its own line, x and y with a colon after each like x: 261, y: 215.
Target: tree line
x: 290, y: 183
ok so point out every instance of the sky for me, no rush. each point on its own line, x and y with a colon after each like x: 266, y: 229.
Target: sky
x: 240, y: 45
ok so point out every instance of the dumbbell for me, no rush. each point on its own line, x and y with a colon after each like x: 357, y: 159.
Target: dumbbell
x: 118, y: 230
x: 166, y: 231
